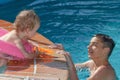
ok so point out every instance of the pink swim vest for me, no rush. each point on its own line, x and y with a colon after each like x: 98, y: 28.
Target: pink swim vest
x: 11, y: 50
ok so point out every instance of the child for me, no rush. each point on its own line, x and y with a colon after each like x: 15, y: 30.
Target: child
x: 26, y: 24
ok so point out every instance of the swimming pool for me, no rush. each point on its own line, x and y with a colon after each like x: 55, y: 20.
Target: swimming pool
x: 72, y: 23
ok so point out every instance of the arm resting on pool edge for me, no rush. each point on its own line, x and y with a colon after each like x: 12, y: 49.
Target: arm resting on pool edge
x: 72, y: 70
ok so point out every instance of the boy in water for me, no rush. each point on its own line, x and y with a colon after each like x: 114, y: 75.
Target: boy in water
x: 99, y: 50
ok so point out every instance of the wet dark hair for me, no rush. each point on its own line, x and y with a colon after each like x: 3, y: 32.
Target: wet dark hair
x: 107, y: 41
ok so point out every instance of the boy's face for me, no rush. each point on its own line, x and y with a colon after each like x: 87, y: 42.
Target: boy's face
x: 95, y: 48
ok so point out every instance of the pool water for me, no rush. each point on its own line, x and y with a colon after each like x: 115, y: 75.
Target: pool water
x: 72, y: 23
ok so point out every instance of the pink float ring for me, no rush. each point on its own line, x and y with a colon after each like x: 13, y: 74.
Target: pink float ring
x: 8, y: 48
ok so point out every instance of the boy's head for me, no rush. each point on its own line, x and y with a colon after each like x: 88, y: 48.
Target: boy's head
x: 26, y: 19
x: 107, y: 41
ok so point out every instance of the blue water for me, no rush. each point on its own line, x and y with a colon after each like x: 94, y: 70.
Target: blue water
x: 72, y: 23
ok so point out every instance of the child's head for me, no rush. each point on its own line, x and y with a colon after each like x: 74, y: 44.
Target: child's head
x: 26, y: 19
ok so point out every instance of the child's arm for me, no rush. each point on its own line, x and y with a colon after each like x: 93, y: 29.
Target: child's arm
x: 21, y: 47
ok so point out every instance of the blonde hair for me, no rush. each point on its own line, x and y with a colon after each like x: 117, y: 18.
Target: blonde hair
x: 26, y: 19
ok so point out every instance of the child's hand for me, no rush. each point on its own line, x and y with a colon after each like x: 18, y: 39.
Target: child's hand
x: 56, y: 46
x: 62, y: 52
